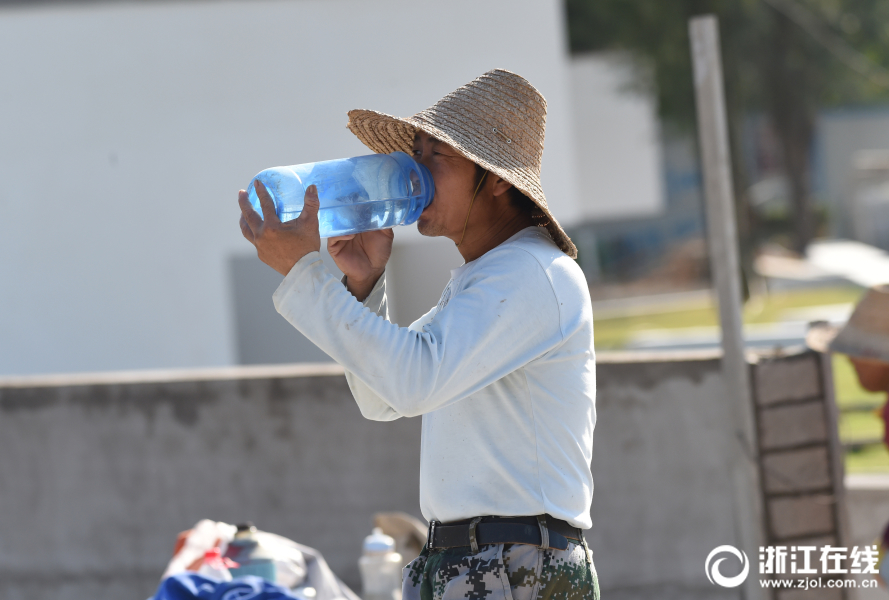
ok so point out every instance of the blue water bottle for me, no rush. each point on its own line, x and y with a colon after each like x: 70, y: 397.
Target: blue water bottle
x: 356, y: 194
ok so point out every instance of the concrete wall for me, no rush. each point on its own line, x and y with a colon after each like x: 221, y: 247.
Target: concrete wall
x: 99, y: 472
x: 97, y: 476
x: 663, y: 496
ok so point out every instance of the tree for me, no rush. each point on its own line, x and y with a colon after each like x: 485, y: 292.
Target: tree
x: 786, y: 58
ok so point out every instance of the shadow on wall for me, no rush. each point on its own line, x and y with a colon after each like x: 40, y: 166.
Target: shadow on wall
x: 263, y: 336
x: 417, y: 273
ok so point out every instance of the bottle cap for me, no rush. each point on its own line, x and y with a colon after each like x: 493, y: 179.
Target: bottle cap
x: 378, y: 542
x: 245, y: 530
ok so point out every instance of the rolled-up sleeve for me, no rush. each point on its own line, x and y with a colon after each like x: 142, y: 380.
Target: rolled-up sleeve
x: 504, y: 315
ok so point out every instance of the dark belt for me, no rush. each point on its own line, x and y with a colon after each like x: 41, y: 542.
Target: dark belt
x: 543, y: 530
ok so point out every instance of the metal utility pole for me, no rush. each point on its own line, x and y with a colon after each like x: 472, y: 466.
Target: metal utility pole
x: 726, y: 272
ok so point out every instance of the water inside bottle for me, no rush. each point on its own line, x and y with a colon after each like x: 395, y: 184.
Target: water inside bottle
x: 359, y: 214
x: 363, y: 216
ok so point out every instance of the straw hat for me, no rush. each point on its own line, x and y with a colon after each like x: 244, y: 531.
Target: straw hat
x: 865, y: 335
x: 497, y: 121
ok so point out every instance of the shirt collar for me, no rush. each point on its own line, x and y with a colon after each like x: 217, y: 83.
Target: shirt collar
x: 527, y: 231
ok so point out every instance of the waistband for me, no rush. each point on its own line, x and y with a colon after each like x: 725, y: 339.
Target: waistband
x: 541, y: 530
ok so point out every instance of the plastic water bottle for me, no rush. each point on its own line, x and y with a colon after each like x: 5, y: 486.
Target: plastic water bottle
x: 215, y: 566
x: 358, y: 194
x: 251, y: 556
x: 380, y: 567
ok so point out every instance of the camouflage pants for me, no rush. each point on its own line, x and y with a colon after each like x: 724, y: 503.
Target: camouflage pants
x: 501, y: 572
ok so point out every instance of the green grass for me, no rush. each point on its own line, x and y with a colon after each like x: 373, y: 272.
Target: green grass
x: 768, y: 309
x: 613, y: 332
x: 869, y: 459
x: 859, y: 425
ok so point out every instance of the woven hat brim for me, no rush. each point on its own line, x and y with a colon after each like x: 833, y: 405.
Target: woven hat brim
x: 825, y: 338
x: 385, y: 133
x: 854, y: 341
x: 866, y: 333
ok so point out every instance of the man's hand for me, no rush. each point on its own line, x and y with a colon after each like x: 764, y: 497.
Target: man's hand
x: 362, y: 257
x: 280, y: 245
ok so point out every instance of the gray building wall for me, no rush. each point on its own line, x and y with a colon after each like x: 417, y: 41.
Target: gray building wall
x: 141, y: 120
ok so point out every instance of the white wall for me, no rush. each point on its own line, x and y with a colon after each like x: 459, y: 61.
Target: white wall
x: 126, y: 130
x: 616, y: 140
x: 841, y: 134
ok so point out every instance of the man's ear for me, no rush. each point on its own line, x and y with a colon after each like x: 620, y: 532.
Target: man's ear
x: 500, y: 186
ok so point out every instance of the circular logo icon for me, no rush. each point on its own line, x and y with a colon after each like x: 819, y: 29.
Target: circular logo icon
x: 718, y: 578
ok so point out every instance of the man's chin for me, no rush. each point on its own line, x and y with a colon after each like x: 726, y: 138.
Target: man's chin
x: 426, y: 228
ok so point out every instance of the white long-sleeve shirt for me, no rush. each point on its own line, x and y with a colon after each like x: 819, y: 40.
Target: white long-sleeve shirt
x: 502, y: 371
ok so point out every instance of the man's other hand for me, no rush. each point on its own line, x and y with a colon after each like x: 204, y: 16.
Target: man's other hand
x: 362, y: 257
x: 280, y: 245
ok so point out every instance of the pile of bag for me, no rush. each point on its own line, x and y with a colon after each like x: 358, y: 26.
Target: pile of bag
x: 219, y: 561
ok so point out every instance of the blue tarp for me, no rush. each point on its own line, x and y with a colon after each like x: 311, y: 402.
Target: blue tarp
x: 190, y: 586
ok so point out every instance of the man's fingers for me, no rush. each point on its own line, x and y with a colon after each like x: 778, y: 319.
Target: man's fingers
x: 336, y: 243
x: 245, y: 230
x: 265, y: 202
x: 340, y: 238
x: 311, y: 204
x: 248, y: 214
x: 339, y: 247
